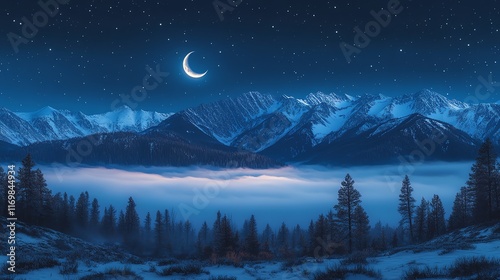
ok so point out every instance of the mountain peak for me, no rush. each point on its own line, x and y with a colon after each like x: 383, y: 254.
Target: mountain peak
x: 427, y: 93
x: 45, y: 111
x: 330, y: 99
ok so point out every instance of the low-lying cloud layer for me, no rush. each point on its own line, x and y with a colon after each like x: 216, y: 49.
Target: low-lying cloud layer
x: 291, y: 194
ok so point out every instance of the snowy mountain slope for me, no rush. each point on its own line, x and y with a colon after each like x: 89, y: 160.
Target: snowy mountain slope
x: 226, y: 119
x: 50, y: 124
x: 441, y: 253
x: 284, y: 127
x: 259, y: 122
x: 414, y: 138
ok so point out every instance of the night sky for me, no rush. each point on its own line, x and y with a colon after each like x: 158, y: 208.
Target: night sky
x: 92, y: 51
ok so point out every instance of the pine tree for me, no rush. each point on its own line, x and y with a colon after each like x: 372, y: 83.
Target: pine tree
x: 147, y: 236
x: 437, y: 224
x: 282, y: 243
x: 333, y: 231
x: 108, y: 224
x: 299, y: 244
x: 482, y: 182
x: 421, y: 221
x: 27, y: 202
x: 45, y: 214
x: 94, y: 215
x: 312, y: 239
x: 321, y: 237
x: 65, y: 215
x: 33, y: 197
x: 378, y: 237
x: 348, y: 200
x: 252, y: 239
x: 121, y: 227
x: 159, y: 233
x: 267, y: 239
x: 361, y: 225
x: 407, y: 206
x: 217, y: 234
x: 226, y: 238
x: 168, y: 231
x: 132, y: 226
x: 203, y: 242
x: 82, y: 212
x: 461, y: 213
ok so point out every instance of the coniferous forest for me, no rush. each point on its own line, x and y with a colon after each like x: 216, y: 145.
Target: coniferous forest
x: 341, y: 230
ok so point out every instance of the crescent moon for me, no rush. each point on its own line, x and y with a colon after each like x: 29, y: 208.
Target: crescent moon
x: 189, y: 71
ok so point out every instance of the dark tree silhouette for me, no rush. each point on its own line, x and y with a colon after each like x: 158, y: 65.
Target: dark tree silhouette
x: 361, y: 228
x: 482, y: 182
x: 421, y: 223
x: 348, y: 200
x: 407, y: 206
x: 461, y: 212
x: 436, y: 221
x: 252, y: 238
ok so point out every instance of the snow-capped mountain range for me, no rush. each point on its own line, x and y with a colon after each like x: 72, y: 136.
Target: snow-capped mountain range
x: 287, y: 127
x: 319, y: 128
x: 50, y: 124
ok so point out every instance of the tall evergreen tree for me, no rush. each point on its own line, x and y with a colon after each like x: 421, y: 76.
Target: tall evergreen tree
x: 66, y: 219
x: 27, y: 202
x: 482, y: 182
x: 168, y: 231
x: 348, y: 200
x: 203, y: 242
x: 421, y: 220
x: 267, y: 239
x: 407, y: 206
x: 437, y: 224
x: 217, y: 234
x: 461, y: 213
x: 321, y: 237
x: 58, y: 210
x: 147, y: 236
x: 44, y: 212
x: 33, y: 197
x: 188, y: 236
x: 94, y: 215
x: 108, y: 223
x: 82, y: 211
x: 132, y: 226
x: 159, y: 233
x: 252, y: 238
x: 361, y: 225
x: 282, y: 238
x: 226, y: 238
x: 121, y: 227
x: 311, y: 232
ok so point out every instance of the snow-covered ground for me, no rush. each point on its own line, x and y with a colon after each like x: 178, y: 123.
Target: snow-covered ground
x: 483, y: 241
